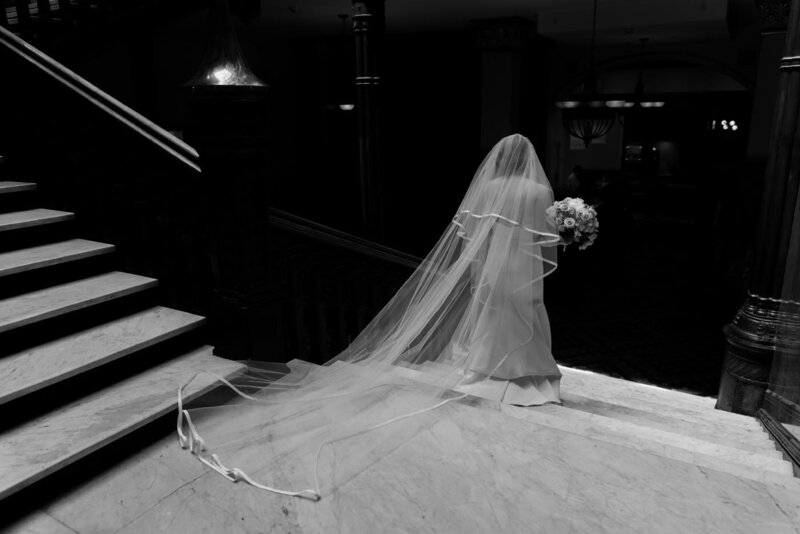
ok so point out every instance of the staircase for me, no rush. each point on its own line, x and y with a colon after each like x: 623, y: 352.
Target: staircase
x: 86, y: 354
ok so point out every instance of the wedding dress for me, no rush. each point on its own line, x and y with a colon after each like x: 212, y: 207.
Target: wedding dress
x: 469, y: 320
x: 510, y: 357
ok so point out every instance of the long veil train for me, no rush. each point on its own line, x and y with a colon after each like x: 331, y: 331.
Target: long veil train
x: 312, y: 429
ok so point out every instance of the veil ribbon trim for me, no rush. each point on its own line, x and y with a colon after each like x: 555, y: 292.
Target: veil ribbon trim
x: 488, y: 265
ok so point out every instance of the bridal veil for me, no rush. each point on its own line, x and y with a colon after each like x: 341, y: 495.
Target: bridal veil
x: 306, y: 430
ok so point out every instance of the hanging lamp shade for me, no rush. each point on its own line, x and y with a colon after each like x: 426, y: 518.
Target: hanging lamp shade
x: 589, y: 124
x: 342, y: 73
x: 223, y: 63
x: 586, y: 115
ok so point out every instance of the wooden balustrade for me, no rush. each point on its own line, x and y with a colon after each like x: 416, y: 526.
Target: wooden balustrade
x: 328, y: 293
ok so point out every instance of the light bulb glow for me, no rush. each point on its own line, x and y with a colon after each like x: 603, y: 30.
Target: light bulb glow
x: 222, y: 74
x: 347, y: 107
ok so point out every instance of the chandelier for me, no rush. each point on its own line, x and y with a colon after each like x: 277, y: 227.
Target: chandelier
x: 223, y: 63
x: 638, y: 93
x: 585, y: 115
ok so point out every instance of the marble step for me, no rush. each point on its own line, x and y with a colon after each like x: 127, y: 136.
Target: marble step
x: 645, y: 397
x: 7, y: 186
x: 28, y: 259
x: 745, y: 437
x: 43, y: 365
x: 750, y: 440
x: 36, y: 217
x: 31, y: 451
x: 635, y: 394
x: 57, y: 300
x: 743, y: 464
x: 700, y: 452
x: 644, y: 392
x: 658, y: 407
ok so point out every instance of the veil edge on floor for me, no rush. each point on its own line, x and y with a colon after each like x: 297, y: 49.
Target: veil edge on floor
x: 397, y: 377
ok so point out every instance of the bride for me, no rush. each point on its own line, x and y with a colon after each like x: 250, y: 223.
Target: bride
x: 509, y: 347
x: 470, y: 320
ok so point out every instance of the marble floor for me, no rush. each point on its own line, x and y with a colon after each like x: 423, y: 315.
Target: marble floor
x: 480, y: 469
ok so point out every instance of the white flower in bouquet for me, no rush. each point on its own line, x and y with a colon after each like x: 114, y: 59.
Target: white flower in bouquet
x: 576, y: 221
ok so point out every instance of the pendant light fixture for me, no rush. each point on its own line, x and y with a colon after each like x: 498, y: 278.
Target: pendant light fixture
x: 586, y: 114
x: 639, y: 99
x: 344, y: 89
x: 223, y: 63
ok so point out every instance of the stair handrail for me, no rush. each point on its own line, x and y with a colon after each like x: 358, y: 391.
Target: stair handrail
x: 787, y: 442
x: 306, y: 227
x: 102, y: 100
x: 186, y: 153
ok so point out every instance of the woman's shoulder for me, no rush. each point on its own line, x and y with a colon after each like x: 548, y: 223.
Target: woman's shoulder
x: 519, y: 184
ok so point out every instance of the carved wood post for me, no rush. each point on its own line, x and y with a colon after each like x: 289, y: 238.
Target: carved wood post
x: 368, y: 30
x: 760, y: 330
x: 773, y: 15
x: 226, y: 126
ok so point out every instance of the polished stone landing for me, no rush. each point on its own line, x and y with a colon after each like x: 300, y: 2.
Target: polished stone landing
x: 666, y: 417
x: 481, y: 469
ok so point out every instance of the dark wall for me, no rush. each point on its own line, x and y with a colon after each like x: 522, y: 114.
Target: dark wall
x: 431, y: 133
x: 430, y: 125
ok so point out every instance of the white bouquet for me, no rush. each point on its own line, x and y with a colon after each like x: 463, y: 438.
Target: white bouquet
x: 577, y: 223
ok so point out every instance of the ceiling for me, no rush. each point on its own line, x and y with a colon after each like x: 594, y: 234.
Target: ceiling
x: 569, y: 21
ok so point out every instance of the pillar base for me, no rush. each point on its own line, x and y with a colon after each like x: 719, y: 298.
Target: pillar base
x: 760, y: 330
x: 781, y: 408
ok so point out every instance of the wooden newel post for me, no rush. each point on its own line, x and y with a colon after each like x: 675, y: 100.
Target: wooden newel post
x: 762, y: 328
x: 227, y: 127
x: 368, y: 29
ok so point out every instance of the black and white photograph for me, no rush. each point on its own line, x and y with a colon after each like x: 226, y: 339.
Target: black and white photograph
x: 400, y: 266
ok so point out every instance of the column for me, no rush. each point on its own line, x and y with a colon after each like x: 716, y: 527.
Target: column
x: 760, y: 330
x: 368, y: 30
x: 227, y: 127
x: 772, y: 23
